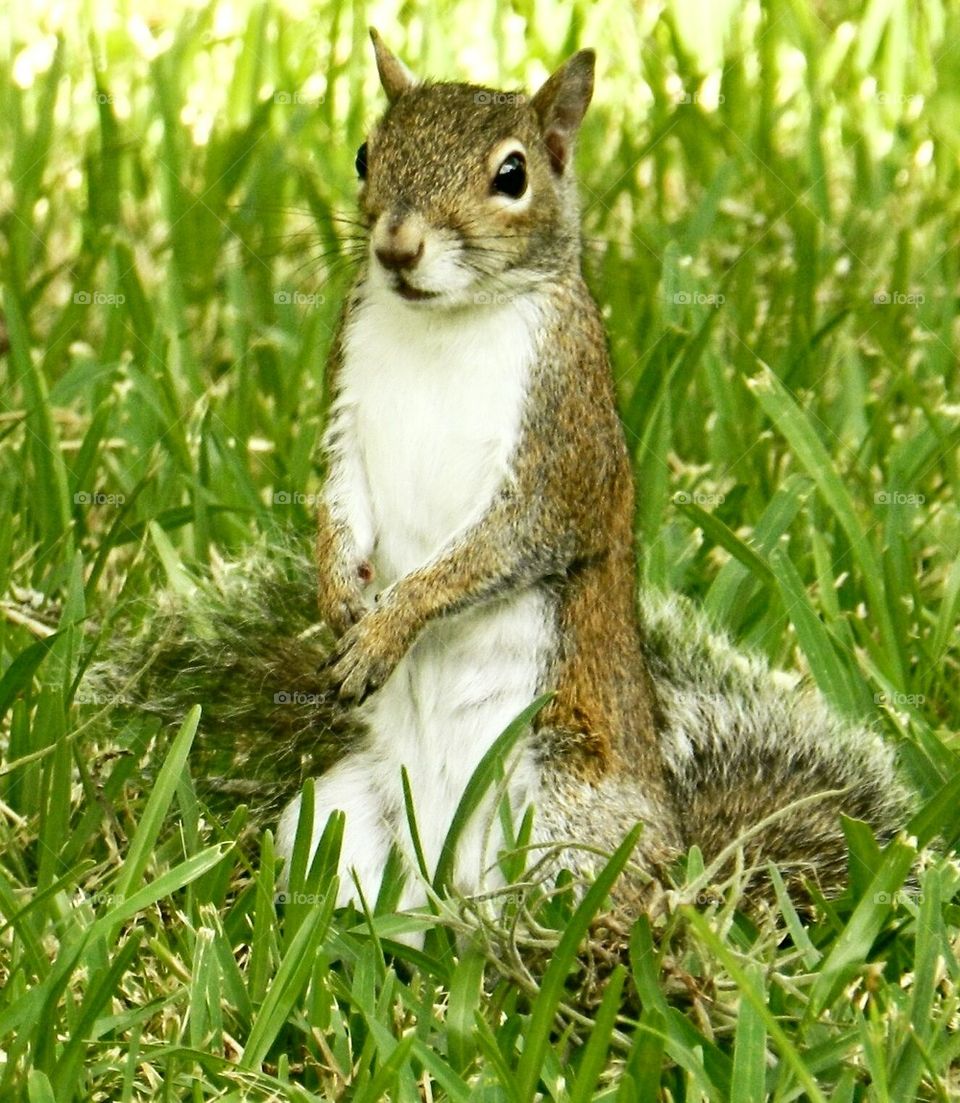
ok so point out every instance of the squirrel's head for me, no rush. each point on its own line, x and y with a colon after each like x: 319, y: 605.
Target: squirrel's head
x: 469, y: 192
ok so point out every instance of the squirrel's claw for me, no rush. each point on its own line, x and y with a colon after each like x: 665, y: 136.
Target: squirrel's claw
x: 341, y: 612
x: 366, y: 654
x: 340, y: 596
x: 346, y: 615
x: 350, y: 675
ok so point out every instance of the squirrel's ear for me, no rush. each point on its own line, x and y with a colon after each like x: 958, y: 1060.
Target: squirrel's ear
x: 561, y: 104
x: 395, y: 77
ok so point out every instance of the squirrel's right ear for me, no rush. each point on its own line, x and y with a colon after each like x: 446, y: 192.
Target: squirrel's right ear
x: 395, y: 77
x: 561, y: 104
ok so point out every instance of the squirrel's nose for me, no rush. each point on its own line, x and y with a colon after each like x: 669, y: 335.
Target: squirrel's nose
x: 394, y: 258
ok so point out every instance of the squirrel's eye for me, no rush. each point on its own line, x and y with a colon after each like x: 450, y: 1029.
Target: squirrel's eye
x: 361, y: 162
x: 511, y: 177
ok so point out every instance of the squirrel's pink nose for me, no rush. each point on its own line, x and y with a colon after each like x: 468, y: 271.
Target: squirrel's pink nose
x: 394, y: 258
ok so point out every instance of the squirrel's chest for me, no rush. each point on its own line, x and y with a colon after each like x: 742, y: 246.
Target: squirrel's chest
x: 437, y: 403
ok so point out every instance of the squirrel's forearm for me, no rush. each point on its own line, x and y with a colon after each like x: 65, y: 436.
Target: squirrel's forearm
x: 502, y: 551
x: 345, y: 534
x: 336, y: 543
x: 345, y: 514
x: 508, y: 548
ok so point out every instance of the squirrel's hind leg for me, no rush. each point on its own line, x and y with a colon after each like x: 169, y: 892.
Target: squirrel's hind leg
x: 346, y: 787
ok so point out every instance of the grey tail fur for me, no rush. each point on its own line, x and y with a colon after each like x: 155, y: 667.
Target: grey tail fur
x: 244, y: 642
x: 741, y: 742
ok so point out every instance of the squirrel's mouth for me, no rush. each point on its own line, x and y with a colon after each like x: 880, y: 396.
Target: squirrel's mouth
x: 410, y: 293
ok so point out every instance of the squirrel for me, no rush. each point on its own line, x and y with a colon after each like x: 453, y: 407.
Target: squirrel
x: 475, y: 550
x: 476, y: 534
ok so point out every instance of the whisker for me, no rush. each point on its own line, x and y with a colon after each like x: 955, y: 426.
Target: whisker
x: 316, y: 264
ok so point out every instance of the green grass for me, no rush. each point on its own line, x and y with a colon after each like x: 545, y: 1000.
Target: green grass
x: 771, y: 196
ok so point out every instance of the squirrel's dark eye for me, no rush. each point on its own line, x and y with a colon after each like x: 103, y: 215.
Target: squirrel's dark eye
x: 511, y: 177
x: 361, y: 162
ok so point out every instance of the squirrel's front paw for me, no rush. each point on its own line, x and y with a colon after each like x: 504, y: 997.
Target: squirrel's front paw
x: 367, y: 654
x: 341, y: 598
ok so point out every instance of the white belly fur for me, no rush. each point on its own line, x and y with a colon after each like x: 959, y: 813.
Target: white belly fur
x: 434, y: 402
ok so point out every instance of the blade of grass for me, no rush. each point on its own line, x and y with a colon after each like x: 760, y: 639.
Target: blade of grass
x: 852, y: 948
x: 750, y: 1046
x: 288, y: 984
x: 909, y: 1064
x: 537, y: 1037
x: 594, y: 1055
x: 795, y: 425
x: 466, y: 989
x: 480, y: 781
x: 101, y: 991
x: 158, y: 803
x: 827, y: 664
x: 755, y: 997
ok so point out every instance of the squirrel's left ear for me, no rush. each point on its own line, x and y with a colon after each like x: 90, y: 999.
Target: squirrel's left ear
x: 395, y: 77
x: 561, y: 104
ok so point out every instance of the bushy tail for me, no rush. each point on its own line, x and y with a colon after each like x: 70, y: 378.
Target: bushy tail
x: 744, y: 744
x: 244, y: 642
